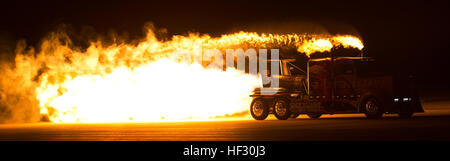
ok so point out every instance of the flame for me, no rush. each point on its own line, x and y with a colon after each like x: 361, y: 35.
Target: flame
x: 349, y: 41
x: 312, y: 46
x: 326, y: 43
x: 159, y: 91
x: 153, y: 80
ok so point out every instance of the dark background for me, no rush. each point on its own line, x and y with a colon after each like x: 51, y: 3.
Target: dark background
x: 410, y: 36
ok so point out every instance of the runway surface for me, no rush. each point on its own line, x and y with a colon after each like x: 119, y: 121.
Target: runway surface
x: 433, y: 125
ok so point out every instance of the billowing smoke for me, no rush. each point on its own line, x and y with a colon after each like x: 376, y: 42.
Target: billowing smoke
x: 18, y: 82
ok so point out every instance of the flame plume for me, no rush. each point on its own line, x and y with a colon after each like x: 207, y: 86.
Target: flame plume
x: 143, y: 82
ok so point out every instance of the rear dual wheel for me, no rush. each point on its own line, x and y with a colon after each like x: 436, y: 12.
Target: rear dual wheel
x: 282, y: 109
x: 259, y: 109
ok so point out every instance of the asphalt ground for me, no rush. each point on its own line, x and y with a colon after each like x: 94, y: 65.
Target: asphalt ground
x: 433, y: 125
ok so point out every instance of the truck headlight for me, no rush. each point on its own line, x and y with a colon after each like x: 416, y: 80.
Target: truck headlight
x: 406, y: 99
x: 396, y: 99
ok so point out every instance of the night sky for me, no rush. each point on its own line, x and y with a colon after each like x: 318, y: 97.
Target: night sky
x: 404, y: 35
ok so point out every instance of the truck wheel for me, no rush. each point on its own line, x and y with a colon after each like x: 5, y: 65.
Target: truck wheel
x: 314, y: 115
x: 372, y: 108
x: 259, y: 109
x: 281, y: 109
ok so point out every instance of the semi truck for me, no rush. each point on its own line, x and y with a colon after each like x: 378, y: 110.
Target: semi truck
x: 335, y: 85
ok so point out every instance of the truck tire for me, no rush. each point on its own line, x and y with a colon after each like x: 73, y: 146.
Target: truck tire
x: 372, y: 108
x: 259, y: 109
x: 314, y: 115
x: 281, y: 109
